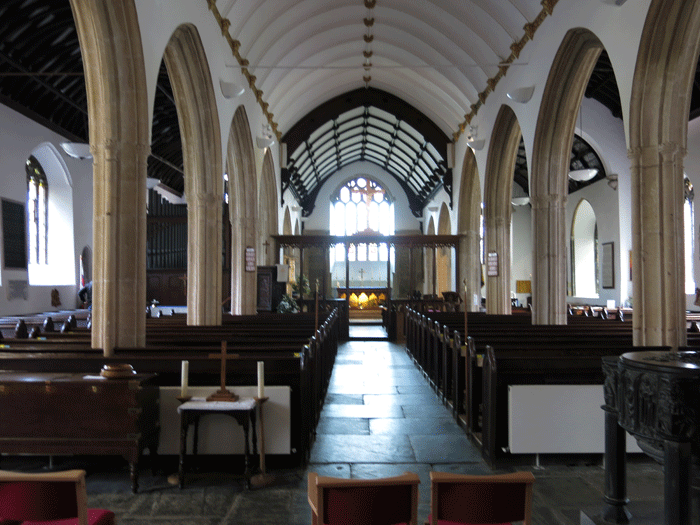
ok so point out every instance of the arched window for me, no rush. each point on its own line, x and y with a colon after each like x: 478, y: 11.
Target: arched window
x: 362, y: 206
x: 688, y: 225
x: 584, y: 251
x: 37, y: 211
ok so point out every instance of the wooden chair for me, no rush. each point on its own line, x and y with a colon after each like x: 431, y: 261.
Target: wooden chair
x: 382, y: 501
x: 494, y: 499
x: 47, y: 498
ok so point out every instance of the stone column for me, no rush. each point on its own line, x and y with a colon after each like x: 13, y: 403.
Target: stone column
x: 549, y: 266
x: 119, y: 245
x: 243, y: 284
x: 470, y: 268
x: 658, y: 257
x: 204, y: 259
x: 498, y: 288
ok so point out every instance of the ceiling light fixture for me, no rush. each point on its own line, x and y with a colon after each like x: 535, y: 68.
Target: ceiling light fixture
x: 584, y: 174
x: 266, y: 140
x: 77, y: 150
x: 522, y: 95
x: 520, y: 201
x: 230, y: 89
x: 472, y: 141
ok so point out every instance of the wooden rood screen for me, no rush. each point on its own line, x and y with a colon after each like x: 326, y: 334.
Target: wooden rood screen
x: 392, y: 290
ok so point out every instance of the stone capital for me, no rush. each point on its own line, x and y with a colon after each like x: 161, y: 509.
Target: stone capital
x: 548, y: 201
x: 647, y: 156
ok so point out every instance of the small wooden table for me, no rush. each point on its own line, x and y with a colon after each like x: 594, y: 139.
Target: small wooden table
x: 242, y: 410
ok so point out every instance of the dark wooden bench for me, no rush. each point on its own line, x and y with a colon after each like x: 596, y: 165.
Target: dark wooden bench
x: 304, y: 363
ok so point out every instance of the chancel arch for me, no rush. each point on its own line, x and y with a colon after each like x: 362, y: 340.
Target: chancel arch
x: 243, y: 201
x: 498, y: 190
x: 658, y: 127
x: 566, y: 83
x: 115, y: 79
x: 469, y: 226
x: 268, y: 210
x: 204, y: 187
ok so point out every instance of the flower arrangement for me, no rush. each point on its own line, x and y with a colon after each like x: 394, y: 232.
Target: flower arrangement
x: 301, y: 286
x: 287, y: 305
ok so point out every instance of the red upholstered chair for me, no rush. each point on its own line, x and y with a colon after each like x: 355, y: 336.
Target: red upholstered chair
x: 497, y: 499
x: 57, y: 498
x: 383, y: 501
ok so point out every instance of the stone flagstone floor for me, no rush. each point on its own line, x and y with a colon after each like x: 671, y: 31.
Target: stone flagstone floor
x: 380, y: 418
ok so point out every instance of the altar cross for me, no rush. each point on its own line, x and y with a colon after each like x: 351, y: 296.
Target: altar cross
x: 369, y: 192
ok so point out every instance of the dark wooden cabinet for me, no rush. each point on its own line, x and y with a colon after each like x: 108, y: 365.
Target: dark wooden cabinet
x: 270, y: 291
x: 52, y: 413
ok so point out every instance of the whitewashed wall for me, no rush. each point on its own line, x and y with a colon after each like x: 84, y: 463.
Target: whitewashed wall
x: 19, y: 136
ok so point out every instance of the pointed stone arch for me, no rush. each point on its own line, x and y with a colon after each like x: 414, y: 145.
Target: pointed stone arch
x: 204, y: 186
x: 567, y: 81
x: 659, y: 107
x: 240, y: 162
x: 444, y: 254
x: 287, y: 222
x: 469, y: 227
x: 498, y: 191
x: 117, y: 100
x: 268, y: 210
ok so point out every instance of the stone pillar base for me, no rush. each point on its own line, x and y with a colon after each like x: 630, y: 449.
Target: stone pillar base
x: 645, y: 513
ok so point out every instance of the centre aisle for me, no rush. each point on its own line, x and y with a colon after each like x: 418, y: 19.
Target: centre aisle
x: 381, y: 418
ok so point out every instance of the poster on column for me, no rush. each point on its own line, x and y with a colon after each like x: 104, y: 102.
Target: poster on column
x: 492, y: 264
x: 250, y: 259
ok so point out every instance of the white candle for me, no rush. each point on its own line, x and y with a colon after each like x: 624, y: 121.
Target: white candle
x: 184, y: 378
x: 261, y: 379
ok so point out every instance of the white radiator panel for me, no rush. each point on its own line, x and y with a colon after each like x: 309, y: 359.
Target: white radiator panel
x: 557, y: 419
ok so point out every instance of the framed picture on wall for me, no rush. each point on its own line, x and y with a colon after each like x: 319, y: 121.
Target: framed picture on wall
x: 608, y: 269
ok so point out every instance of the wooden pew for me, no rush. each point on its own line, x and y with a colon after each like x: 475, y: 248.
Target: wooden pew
x: 304, y: 363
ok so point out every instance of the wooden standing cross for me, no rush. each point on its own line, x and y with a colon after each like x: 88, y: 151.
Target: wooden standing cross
x: 222, y: 394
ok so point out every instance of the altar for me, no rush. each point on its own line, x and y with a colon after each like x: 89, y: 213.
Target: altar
x: 364, y: 297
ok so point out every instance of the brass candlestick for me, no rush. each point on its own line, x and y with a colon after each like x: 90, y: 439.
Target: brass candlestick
x: 263, y: 479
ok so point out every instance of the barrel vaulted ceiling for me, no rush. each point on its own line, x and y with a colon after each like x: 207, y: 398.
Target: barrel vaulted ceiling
x: 439, y: 58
